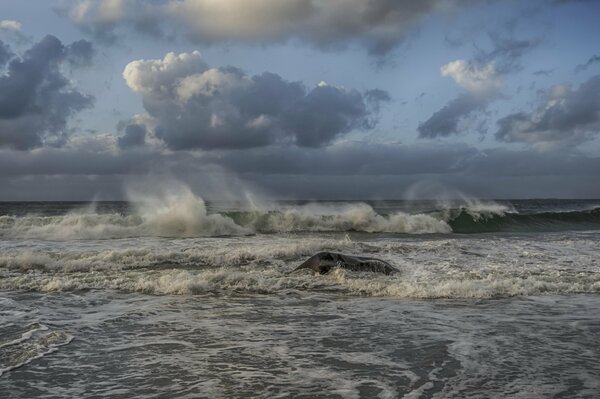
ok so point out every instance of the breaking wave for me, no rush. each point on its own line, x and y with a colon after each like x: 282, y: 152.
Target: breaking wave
x: 358, y: 217
x: 429, y: 268
x: 172, y: 214
x: 183, y: 214
x: 343, y: 282
x: 179, y: 213
x: 467, y: 221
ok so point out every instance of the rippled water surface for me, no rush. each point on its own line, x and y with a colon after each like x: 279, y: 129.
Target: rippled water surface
x: 130, y: 345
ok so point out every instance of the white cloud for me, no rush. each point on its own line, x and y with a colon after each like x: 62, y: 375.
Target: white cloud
x: 476, y: 79
x: 10, y: 25
x: 98, y: 11
x: 208, y: 82
x: 160, y: 77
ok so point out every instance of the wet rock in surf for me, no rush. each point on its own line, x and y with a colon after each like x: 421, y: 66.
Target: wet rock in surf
x: 324, y: 262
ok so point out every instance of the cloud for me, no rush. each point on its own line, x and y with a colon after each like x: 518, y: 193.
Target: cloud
x: 543, y: 72
x: 98, y: 18
x: 351, y: 158
x: 80, y: 53
x: 377, y: 25
x: 342, y: 170
x: 482, y: 84
x: 565, y: 117
x: 10, y: 25
x: 196, y: 106
x: 135, y: 136
x: 591, y: 61
x: 11, y: 30
x: 481, y: 77
x: 476, y: 79
x: 36, y: 99
x: 446, y: 121
x: 5, y: 53
x: 506, y: 52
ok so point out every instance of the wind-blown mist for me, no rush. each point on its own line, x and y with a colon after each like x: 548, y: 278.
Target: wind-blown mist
x: 173, y: 210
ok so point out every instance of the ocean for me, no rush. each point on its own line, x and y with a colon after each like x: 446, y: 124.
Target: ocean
x: 172, y: 297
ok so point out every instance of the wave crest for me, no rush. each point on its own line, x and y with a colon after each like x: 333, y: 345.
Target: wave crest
x: 355, y: 217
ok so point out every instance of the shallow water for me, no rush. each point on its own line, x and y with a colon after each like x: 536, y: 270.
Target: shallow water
x: 124, y: 300
x: 290, y: 344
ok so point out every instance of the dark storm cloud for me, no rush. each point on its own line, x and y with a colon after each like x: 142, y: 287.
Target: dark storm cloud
x: 36, y: 99
x: 351, y: 158
x: 325, y: 113
x: 445, y: 122
x: 134, y: 136
x: 344, y: 170
x: 377, y: 25
x: 80, y: 53
x: 594, y: 59
x: 195, y: 106
x: 565, y: 117
x: 341, y: 159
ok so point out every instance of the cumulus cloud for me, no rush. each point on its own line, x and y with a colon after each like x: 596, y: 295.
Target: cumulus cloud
x: 566, y: 117
x: 377, y: 25
x: 36, y: 99
x: 196, y: 106
x: 135, y: 136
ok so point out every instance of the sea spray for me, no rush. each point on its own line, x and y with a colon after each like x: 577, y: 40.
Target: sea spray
x: 177, y: 212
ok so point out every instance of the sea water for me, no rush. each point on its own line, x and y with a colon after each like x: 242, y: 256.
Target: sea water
x: 172, y: 297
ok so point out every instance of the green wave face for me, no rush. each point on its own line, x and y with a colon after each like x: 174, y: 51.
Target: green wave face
x: 464, y: 221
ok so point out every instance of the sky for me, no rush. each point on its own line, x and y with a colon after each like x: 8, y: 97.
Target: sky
x: 300, y: 99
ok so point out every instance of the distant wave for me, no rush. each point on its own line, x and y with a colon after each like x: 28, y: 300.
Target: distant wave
x: 180, y: 214
x: 183, y: 214
x: 466, y: 221
x: 359, y: 217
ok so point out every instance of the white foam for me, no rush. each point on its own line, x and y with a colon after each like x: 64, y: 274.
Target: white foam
x: 346, y: 217
x: 484, y: 267
x: 25, y: 335
x: 175, y: 211
x: 29, y: 352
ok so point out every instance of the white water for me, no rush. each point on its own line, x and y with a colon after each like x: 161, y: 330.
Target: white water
x: 175, y: 211
x: 429, y: 268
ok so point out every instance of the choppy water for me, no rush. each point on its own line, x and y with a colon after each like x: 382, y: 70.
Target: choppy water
x: 170, y: 297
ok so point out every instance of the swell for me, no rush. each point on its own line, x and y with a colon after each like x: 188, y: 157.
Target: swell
x: 465, y: 221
